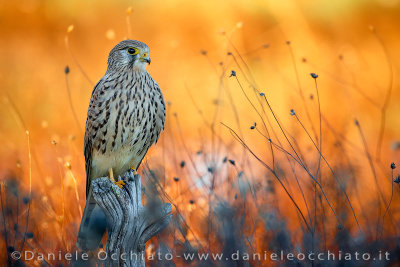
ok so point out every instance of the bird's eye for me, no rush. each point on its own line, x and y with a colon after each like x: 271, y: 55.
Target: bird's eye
x: 132, y: 51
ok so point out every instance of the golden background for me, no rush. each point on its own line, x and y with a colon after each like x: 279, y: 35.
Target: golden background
x: 352, y: 45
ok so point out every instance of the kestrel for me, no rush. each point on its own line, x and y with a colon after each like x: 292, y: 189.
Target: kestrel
x: 125, y: 117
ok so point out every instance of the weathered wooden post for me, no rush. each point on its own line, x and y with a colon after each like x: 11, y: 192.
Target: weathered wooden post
x: 130, y: 224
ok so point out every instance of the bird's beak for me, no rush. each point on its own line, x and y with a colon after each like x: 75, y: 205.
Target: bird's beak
x: 145, y: 58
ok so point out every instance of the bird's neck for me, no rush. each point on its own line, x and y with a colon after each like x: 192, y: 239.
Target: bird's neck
x: 127, y: 74
x: 131, y: 71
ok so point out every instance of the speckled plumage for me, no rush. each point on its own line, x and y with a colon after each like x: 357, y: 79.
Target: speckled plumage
x: 125, y: 117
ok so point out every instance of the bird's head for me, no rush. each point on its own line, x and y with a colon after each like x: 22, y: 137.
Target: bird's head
x: 129, y: 54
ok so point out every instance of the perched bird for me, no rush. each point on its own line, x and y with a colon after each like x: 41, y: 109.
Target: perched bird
x: 125, y: 117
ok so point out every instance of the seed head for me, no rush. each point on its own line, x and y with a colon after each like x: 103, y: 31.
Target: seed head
x: 371, y: 28
x: 70, y: 28
x: 292, y: 113
x: 129, y: 10
x: 393, y: 166
x: 26, y: 200
x: 110, y: 34
x: 233, y: 73
x: 67, y: 165
x: 29, y: 235
x: 66, y: 70
x: 315, y: 76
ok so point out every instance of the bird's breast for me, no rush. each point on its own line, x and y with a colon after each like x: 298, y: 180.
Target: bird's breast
x: 133, y: 118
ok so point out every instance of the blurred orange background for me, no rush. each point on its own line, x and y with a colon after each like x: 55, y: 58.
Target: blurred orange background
x: 352, y: 45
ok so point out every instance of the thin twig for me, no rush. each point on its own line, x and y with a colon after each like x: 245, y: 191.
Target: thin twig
x: 387, y: 96
x: 70, y: 102
x: 388, y: 206
x: 76, y: 61
x: 333, y: 173
x: 30, y: 191
x: 271, y: 170
x: 2, y: 185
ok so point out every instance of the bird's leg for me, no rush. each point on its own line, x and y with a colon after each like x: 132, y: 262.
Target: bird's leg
x: 120, y: 183
x: 111, y: 175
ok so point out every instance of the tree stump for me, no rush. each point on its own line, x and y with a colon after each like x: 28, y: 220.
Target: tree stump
x: 130, y: 224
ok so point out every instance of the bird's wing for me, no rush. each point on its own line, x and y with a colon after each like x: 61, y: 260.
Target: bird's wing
x: 159, y: 117
x: 88, y: 141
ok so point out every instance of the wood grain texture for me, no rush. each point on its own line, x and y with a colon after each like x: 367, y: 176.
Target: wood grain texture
x: 130, y: 224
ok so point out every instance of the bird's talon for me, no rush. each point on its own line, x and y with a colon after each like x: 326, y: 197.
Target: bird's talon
x: 120, y: 183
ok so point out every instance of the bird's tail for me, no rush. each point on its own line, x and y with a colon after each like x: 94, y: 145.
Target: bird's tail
x: 92, y: 227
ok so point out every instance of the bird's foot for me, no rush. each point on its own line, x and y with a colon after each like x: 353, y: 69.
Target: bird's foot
x: 120, y: 183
